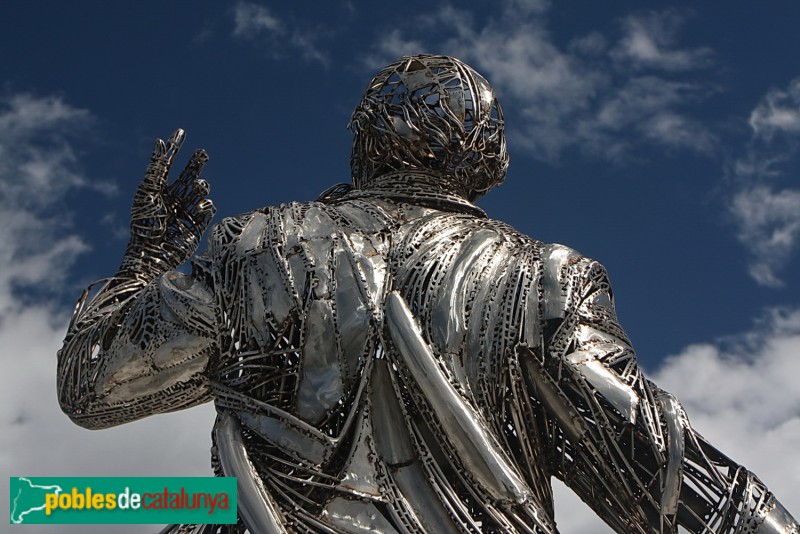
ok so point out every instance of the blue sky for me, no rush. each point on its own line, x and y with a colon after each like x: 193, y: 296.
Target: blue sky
x: 661, y: 139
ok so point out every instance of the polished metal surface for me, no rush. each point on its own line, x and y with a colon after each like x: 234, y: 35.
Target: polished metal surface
x: 432, y: 114
x: 388, y: 358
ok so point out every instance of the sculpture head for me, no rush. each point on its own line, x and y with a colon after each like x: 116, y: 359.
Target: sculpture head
x: 431, y: 114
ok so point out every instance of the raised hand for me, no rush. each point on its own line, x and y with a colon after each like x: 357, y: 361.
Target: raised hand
x: 167, y: 220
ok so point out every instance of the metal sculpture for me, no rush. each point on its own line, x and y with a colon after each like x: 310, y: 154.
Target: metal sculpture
x: 390, y: 359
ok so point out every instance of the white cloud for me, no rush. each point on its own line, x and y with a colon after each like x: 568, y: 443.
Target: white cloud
x: 766, y: 214
x: 592, y: 44
x: 255, y: 22
x: 778, y: 112
x: 252, y: 19
x: 35, y: 162
x: 37, y: 170
x: 579, y: 96
x: 769, y: 228
x: 573, y: 515
x: 528, y: 6
x: 392, y: 46
x: 25, y: 117
x: 677, y: 131
x: 650, y: 41
x: 647, y: 108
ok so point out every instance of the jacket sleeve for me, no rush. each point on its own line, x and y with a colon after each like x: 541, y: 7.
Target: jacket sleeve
x: 624, y: 445
x: 136, y: 349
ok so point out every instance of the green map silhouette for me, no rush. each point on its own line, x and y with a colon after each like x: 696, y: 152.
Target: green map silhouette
x: 28, y: 498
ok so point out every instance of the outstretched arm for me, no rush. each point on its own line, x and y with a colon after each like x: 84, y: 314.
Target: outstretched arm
x: 140, y: 344
x: 624, y: 445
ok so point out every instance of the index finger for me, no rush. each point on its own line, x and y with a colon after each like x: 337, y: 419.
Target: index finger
x: 174, y: 145
x: 155, y: 177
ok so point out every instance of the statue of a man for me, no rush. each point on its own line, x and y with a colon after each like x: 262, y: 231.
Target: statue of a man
x: 390, y: 359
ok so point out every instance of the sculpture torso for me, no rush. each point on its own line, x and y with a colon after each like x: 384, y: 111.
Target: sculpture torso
x: 334, y: 428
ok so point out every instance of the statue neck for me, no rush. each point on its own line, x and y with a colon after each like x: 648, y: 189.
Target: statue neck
x: 414, y: 187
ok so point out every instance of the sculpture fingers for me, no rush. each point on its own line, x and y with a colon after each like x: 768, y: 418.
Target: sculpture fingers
x: 147, y: 214
x: 188, y: 194
x: 185, y: 182
x: 187, y: 191
x: 206, y: 211
x: 201, y: 187
x: 174, y: 145
x: 155, y: 176
x: 194, y: 221
x: 198, y: 193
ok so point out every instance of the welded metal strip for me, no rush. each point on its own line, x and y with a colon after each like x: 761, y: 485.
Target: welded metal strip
x: 479, y: 451
x: 673, y: 417
x: 255, y: 505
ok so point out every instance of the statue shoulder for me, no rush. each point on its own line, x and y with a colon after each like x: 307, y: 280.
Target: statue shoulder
x: 567, y: 276
x: 244, y: 230
x: 561, y: 261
